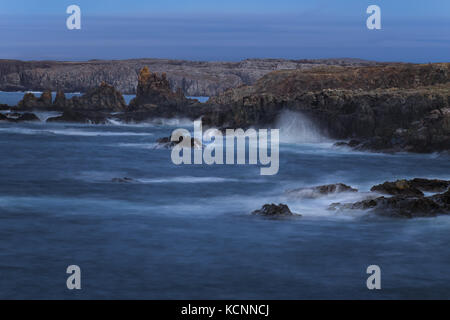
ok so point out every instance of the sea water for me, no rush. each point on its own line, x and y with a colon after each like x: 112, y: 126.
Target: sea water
x: 186, y: 232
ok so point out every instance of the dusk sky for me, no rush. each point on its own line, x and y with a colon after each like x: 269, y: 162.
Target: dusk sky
x: 414, y: 31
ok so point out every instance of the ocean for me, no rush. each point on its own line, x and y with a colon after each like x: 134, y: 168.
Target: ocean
x: 186, y: 232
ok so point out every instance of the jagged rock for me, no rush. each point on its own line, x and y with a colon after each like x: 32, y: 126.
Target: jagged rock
x: 81, y: 116
x: 4, y: 106
x: 273, y: 210
x: 3, y: 117
x: 29, y: 101
x: 60, y: 100
x: 155, y: 90
x: 103, y: 98
x: 399, y: 187
x: 315, y: 192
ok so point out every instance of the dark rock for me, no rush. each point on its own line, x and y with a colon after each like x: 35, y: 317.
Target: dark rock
x: 430, y: 185
x: 3, y: 117
x: 318, y: 191
x: 123, y: 180
x: 29, y: 101
x: 27, y: 117
x: 104, y: 98
x: 273, y: 210
x: 155, y: 90
x: 4, y: 106
x: 60, y: 100
x: 92, y: 117
x: 402, y: 206
x: 399, y: 187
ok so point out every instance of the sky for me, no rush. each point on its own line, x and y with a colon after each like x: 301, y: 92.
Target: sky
x: 232, y: 30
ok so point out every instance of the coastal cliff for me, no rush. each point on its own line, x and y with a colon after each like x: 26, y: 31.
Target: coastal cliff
x: 194, y: 78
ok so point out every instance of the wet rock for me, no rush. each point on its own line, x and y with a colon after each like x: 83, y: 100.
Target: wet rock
x: 27, y: 117
x: 273, y: 210
x: 3, y: 117
x: 399, y: 187
x: 315, y: 192
x: 91, y: 117
x: 402, y: 206
x: 123, y: 180
x: 430, y: 185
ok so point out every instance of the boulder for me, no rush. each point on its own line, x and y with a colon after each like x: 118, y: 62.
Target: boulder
x: 60, y: 100
x: 273, y: 210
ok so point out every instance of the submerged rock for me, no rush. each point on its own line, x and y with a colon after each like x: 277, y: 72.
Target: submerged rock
x: 123, y: 180
x: 318, y: 191
x: 273, y: 210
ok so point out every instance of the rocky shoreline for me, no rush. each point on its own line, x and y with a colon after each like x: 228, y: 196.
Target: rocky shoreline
x: 387, y: 108
x: 399, y: 199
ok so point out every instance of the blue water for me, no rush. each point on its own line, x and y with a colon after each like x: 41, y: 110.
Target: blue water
x: 187, y: 232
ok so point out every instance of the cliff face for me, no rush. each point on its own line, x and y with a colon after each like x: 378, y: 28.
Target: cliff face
x: 388, y: 108
x: 193, y: 78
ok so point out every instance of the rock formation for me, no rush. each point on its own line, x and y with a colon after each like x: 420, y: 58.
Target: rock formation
x: 274, y: 211
x: 155, y: 90
x: 30, y: 101
x: 387, y: 108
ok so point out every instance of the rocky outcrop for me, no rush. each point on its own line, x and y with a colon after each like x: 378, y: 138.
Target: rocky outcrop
x: 411, y: 188
x: 194, y: 78
x: 153, y: 89
x: 275, y: 211
x: 315, y: 192
x: 30, y: 101
x: 405, y: 207
x: 103, y: 98
x: 408, y: 200
x: 387, y: 108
